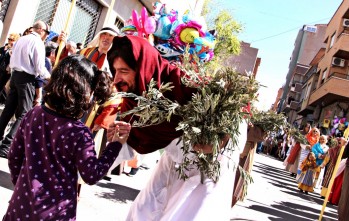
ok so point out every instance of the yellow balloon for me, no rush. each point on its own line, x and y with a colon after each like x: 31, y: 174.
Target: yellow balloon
x: 188, y: 35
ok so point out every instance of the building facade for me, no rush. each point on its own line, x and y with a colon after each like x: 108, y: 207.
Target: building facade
x: 307, y: 44
x: 275, y: 105
x: 326, y: 97
x: 247, y: 61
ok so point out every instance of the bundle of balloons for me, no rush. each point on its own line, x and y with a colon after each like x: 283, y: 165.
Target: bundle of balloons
x: 172, y: 34
x: 338, y: 126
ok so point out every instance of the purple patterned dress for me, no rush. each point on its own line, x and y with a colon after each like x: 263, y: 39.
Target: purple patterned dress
x: 44, y: 159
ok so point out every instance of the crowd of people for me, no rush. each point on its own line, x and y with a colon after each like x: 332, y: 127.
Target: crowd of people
x: 61, y: 110
x: 312, y: 163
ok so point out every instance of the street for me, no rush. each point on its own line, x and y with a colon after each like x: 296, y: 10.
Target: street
x: 273, y: 195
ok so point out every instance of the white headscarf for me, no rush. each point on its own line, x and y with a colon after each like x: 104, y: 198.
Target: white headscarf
x: 113, y: 30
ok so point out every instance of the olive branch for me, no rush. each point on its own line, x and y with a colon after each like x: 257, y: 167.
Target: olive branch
x: 215, y: 110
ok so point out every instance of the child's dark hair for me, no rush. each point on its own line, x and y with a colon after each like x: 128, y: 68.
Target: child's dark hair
x: 310, y: 153
x: 71, y: 85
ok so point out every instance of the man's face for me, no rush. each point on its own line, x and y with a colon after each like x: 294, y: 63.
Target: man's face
x: 125, y: 77
x: 10, y: 40
x: 44, y: 33
x: 71, y: 48
x: 105, y: 40
x: 52, y: 57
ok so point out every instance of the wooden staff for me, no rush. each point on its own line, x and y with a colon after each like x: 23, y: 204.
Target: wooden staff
x: 61, y: 44
x: 331, y: 181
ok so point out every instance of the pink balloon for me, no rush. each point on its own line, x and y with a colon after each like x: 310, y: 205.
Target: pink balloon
x: 149, y: 25
x: 135, y: 19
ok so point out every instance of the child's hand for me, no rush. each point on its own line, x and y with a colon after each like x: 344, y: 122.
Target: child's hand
x: 118, y: 131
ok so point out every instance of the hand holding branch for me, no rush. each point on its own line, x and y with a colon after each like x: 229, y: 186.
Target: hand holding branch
x: 118, y: 131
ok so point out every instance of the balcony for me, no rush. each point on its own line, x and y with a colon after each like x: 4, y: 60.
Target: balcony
x: 301, y: 69
x: 285, y: 108
x: 297, y: 87
x: 290, y: 105
x: 294, y: 105
x: 340, y: 46
x: 335, y: 88
x: 305, y: 109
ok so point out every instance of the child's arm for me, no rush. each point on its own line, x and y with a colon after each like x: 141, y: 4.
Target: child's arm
x: 38, y: 91
x: 38, y: 97
x: 91, y: 168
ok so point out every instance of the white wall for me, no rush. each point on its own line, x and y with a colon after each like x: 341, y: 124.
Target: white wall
x: 20, y: 15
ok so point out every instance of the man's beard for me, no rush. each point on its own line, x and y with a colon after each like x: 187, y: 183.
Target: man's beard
x: 121, y: 84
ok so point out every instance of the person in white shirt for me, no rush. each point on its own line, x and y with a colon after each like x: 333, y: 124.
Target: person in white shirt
x: 27, y: 62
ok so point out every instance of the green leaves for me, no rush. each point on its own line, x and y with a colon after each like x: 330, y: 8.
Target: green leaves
x: 269, y: 121
x: 214, y: 112
x: 297, y: 135
x: 153, y: 108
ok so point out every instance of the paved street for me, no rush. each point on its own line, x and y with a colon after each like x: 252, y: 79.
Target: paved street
x: 272, y: 196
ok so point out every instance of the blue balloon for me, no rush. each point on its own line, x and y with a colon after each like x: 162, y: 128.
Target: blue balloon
x: 163, y: 28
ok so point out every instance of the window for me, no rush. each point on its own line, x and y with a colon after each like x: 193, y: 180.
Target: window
x: 324, y: 75
x: 308, y: 91
x: 3, y: 9
x: 83, y: 22
x: 332, y: 40
x: 119, y: 23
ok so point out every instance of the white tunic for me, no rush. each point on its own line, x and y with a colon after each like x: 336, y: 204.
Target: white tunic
x: 169, y: 198
x: 303, y: 154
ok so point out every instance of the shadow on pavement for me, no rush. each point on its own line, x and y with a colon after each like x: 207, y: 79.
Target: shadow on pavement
x: 5, y: 180
x: 271, y: 169
x: 277, y: 214
x: 239, y: 219
x: 315, y: 198
x: 290, y: 180
x: 283, y: 185
x: 290, y: 211
x: 287, y: 210
x: 119, y: 193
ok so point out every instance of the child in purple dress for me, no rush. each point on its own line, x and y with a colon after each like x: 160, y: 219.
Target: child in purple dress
x: 52, y: 145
